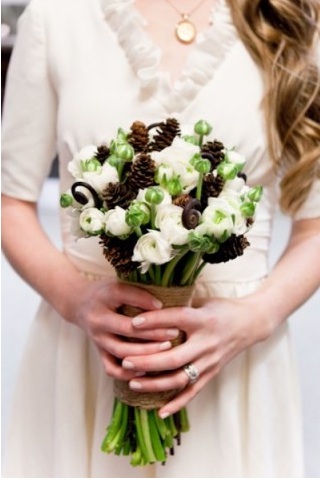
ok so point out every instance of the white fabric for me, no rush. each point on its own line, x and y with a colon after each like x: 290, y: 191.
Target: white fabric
x: 77, y: 74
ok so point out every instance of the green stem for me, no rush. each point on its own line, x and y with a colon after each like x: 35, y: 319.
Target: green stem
x: 140, y: 437
x: 158, y: 448
x: 198, y: 271
x: 189, y: 268
x: 199, y: 186
x: 184, y: 420
x: 146, y: 435
x: 153, y: 216
x: 114, y: 428
x: 157, y: 279
x: 170, y: 267
x: 138, y: 231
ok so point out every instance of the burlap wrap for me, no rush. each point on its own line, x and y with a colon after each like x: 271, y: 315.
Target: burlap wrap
x: 170, y: 297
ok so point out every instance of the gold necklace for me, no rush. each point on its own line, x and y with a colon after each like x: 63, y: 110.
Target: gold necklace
x: 185, y: 29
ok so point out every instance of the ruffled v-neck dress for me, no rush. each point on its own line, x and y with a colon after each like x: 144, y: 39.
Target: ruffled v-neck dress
x: 80, y: 70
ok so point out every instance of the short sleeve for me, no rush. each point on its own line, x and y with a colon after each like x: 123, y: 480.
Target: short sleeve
x: 311, y: 206
x: 29, y: 111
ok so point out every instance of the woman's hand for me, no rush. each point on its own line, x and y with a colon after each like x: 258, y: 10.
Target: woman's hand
x: 216, y: 333
x: 94, y: 309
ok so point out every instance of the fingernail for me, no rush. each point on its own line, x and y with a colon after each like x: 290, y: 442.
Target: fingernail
x: 127, y: 365
x: 173, y: 333
x: 165, y: 345
x: 137, y: 321
x: 135, y: 385
x: 140, y: 373
x: 157, y: 303
x: 164, y: 415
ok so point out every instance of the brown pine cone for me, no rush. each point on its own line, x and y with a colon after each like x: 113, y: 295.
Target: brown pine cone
x: 211, y: 187
x: 213, y: 151
x: 166, y: 132
x: 102, y: 153
x: 117, y: 194
x: 182, y: 200
x: 119, y: 253
x: 142, y: 172
x: 139, y: 136
x: 229, y: 250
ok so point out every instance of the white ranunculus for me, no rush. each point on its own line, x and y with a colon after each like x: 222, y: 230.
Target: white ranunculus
x: 152, y: 248
x: 75, y: 165
x: 115, y: 222
x: 217, y: 219
x: 235, y: 184
x: 101, y: 177
x: 234, y: 200
x: 169, y: 221
x: 91, y: 221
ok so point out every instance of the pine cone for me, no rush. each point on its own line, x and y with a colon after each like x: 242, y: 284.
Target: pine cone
x: 139, y: 136
x: 119, y: 253
x: 102, y: 153
x: 229, y: 250
x: 213, y: 151
x: 142, y: 172
x: 211, y: 187
x: 166, y: 132
x: 182, y: 200
x: 117, y: 194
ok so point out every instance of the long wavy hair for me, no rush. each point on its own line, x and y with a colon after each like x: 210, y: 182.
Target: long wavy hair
x: 281, y: 36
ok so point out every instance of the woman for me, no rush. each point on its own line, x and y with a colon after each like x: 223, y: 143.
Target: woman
x: 78, y: 73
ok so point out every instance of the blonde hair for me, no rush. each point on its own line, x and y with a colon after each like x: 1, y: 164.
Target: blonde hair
x: 281, y: 36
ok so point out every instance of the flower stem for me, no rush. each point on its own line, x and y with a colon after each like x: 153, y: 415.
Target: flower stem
x: 189, y: 268
x: 146, y: 437
x: 170, y: 267
x: 199, y: 186
x: 199, y: 270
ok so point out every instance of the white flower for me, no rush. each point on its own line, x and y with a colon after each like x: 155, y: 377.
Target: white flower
x: 234, y: 157
x: 174, y: 161
x: 91, y: 221
x: 152, y: 248
x: 217, y: 219
x: 115, y: 222
x: 234, y: 200
x: 75, y: 165
x: 235, y: 184
x: 101, y: 177
x: 169, y: 221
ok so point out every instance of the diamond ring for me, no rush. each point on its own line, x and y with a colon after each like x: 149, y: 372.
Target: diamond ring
x: 192, y: 373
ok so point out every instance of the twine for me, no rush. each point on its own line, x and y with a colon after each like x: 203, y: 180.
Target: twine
x: 170, y: 297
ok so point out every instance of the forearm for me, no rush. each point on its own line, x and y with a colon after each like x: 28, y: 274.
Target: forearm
x: 35, y: 258
x: 294, y: 278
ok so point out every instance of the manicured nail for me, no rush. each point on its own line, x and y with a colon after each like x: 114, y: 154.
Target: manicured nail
x: 157, y: 303
x: 173, y: 333
x: 135, y: 385
x: 165, y: 345
x: 127, y: 365
x: 164, y: 415
x: 140, y: 373
x: 137, y: 321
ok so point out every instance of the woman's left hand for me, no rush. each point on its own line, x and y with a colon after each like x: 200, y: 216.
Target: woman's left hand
x: 216, y: 333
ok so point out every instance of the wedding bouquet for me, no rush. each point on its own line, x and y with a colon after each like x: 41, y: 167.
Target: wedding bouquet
x: 163, y: 204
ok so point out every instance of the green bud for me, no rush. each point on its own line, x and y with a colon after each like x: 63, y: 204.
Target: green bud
x: 90, y: 165
x: 174, y: 186
x: 124, y: 151
x: 138, y: 214
x: 113, y: 160
x: 202, y: 165
x: 255, y: 193
x: 66, y: 200
x: 121, y: 135
x: 202, y: 127
x: 202, y: 243
x: 227, y: 170
x: 154, y: 195
x: 247, y: 209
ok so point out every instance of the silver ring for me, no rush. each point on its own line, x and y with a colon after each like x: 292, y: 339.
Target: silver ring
x: 192, y: 373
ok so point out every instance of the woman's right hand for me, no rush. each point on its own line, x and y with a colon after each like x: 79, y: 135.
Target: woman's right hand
x: 95, y: 310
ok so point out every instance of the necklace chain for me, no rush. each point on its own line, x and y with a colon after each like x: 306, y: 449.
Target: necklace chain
x: 186, y: 31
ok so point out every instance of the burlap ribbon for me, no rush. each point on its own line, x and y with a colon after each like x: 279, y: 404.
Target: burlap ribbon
x: 170, y: 297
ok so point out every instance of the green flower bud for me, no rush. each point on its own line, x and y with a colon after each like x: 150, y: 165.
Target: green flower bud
x: 138, y: 214
x: 255, y: 193
x: 227, y: 170
x: 66, y: 200
x: 121, y: 135
x: 202, y: 243
x: 154, y: 195
x: 248, y: 209
x: 202, y: 127
x: 124, y: 151
x: 201, y: 165
x: 90, y: 165
x: 113, y: 160
x: 174, y: 186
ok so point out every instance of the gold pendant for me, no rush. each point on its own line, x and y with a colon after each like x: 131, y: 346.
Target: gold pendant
x: 186, y: 30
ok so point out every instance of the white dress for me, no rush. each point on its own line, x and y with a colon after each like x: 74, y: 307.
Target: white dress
x: 81, y: 69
